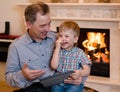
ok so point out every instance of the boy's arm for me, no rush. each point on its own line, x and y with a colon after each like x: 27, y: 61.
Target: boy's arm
x: 76, y: 77
x: 56, y: 55
x: 85, y: 71
x: 55, y: 59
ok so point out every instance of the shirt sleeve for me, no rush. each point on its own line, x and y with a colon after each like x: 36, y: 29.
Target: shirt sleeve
x: 13, y: 74
x: 84, y: 59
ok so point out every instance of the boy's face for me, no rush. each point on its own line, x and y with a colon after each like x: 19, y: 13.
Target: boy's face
x: 67, y: 39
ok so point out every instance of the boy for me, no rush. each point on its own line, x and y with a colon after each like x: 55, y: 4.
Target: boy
x: 67, y: 57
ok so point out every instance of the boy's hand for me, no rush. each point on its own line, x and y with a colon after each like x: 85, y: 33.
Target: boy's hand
x: 58, y: 43
x: 75, y: 75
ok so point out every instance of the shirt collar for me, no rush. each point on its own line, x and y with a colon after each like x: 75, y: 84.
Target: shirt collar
x: 72, y: 50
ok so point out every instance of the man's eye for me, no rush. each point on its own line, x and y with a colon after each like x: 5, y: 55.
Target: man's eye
x: 42, y: 26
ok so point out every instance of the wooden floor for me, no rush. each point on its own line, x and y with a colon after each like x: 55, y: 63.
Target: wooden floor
x: 5, y: 88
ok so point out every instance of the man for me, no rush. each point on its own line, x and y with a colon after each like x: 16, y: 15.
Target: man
x: 29, y: 56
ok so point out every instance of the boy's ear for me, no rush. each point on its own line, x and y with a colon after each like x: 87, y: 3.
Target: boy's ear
x: 75, y: 39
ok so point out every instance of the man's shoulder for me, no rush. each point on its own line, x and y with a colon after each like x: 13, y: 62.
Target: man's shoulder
x: 19, y: 40
x: 52, y: 34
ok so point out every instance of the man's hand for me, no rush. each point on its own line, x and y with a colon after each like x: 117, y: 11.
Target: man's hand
x: 73, y: 81
x: 74, y: 78
x: 75, y: 75
x: 31, y: 74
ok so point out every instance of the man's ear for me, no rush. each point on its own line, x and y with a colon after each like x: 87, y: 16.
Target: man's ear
x: 28, y: 25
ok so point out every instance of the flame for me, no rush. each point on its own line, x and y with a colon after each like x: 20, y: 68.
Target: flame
x: 96, y: 40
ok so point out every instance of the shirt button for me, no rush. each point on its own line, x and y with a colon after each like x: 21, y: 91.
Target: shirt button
x: 45, y: 66
x: 42, y: 54
x: 29, y: 60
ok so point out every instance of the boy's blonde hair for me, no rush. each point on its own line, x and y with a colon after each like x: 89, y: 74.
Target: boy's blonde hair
x: 70, y: 25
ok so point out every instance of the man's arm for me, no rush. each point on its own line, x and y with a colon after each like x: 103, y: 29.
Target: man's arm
x: 76, y: 77
x: 13, y: 73
x: 16, y: 75
x: 82, y: 72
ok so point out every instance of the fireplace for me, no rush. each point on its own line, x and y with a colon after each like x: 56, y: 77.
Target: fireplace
x: 96, y: 42
x: 96, y: 16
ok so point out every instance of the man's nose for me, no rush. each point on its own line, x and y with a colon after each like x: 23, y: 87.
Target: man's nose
x: 47, y: 27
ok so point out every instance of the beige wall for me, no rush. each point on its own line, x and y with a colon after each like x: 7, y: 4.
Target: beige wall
x: 13, y: 13
x: 115, y: 1
x: 9, y: 11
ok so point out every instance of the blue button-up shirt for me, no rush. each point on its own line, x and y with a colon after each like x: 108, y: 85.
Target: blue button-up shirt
x: 36, y: 55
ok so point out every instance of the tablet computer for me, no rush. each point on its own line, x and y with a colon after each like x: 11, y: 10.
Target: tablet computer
x: 55, y: 79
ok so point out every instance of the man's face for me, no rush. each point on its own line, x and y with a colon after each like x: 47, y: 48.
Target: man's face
x: 39, y: 29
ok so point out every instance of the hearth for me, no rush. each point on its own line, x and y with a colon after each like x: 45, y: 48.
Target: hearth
x: 95, y: 43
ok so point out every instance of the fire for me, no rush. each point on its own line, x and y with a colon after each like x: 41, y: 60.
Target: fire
x: 93, y: 44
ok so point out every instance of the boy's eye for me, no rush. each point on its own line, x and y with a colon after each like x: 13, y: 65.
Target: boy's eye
x: 66, y: 36
x: 59, y: 35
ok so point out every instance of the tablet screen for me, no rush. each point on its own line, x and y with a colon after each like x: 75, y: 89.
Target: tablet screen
x: 55, y: 79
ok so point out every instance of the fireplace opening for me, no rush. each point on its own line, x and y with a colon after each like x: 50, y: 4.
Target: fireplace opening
x: 96, y: 44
